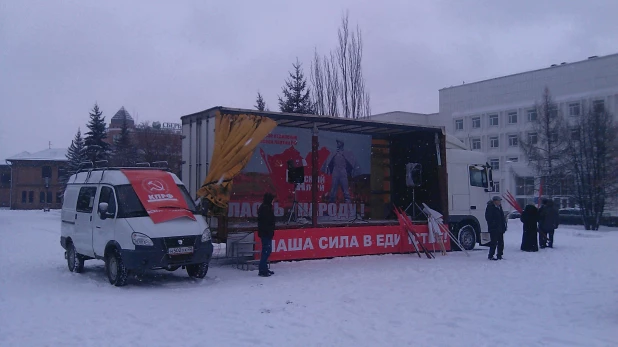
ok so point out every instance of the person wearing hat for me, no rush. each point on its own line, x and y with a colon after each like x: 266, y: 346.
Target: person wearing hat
x: 496, y: 223
x: 266, y: 232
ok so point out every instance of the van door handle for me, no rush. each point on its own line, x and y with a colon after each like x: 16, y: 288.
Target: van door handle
x: 473, y: 207
x: 98, y: 227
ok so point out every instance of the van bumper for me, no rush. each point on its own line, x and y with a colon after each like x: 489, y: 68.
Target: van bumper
x: 145, y: 258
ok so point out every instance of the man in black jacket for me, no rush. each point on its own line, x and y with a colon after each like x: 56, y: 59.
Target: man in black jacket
x: 548, y: 222
x: 266, y: 232
x: 496, y: 223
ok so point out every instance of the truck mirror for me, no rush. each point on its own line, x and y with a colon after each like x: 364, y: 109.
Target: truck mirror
x: 103, y: 206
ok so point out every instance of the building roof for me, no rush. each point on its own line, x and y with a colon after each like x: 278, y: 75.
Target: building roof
x: 553, y: 66
x: 50, y: 154
x: 122, y: 114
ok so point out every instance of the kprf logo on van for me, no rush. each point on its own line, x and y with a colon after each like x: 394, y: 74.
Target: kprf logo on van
x: 157, y: 190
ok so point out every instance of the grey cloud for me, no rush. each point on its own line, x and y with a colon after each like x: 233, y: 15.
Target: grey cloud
x: 162, y: 60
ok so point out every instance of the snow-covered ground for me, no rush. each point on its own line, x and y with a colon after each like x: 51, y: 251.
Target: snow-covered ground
x: 566, y: 296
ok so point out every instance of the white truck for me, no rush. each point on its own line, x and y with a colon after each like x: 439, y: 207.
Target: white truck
x: 470, y: 185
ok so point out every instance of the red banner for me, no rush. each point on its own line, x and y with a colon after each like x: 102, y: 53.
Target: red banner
x: 159, y: 194
x: 296, y: 244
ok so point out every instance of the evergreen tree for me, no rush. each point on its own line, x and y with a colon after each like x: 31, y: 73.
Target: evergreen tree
x: 260, y: 104
x: 125, y: 153
x: 75, y: 156
x: 296, y: 97
x: 95, y: 146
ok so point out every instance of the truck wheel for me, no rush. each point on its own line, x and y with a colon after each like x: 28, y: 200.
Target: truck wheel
x: 467, y: 236
x: 74, y: 260
x: 197, y: 270
x: 114, y: 267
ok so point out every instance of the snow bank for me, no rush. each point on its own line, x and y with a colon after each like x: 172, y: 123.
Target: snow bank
x: 564, y: 296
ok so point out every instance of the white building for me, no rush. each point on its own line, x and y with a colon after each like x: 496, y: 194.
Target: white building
x: 489, y: 115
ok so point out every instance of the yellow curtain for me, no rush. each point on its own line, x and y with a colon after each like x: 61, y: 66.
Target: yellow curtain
x: 236, y: 137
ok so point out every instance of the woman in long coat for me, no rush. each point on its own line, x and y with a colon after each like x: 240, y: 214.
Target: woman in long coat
x: 530, y: 218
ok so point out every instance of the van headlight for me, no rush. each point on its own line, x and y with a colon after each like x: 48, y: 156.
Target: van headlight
x: 140, y: 239
x: 206, y: 235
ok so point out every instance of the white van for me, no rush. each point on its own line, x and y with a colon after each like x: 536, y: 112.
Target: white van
x: 104, y: 217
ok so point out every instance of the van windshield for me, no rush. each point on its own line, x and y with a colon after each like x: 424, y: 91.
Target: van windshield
x: 129, y: 205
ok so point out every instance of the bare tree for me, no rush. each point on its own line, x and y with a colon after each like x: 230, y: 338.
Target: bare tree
x: 544, y: 147
x: 593, y: 159
x: 156, y: 144
x: 337, y: 79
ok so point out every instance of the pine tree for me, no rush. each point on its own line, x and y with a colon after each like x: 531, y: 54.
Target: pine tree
x: 75, y: 156
x: 296, y: 97
x: 260, y: 104
x: 95, y: 146
x: 125, y: 153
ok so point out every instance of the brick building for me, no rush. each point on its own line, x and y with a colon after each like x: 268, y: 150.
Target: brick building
x: 33, y: 180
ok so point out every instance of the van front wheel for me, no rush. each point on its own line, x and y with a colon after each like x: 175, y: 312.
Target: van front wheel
x: 197, y: 270
x: 114, y: 267
x: 75, y: 261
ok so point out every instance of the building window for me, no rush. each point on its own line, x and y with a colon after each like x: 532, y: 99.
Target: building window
x: 513, y: 141
x: 513, y: 118
x: 62, y: 171
x: 513, y: 159
x: 6, y: 178
x: 524, y: 186
x: 42, y: 197
x: 575, y: 134
x: 476, y: 143
x: 531, y: 115
x: 554, y: 136
x: 49, y: 197
x: 24, y: 197
x: 476, y: 122
x: 493, y: 120
x: 574, y: 109
x: 494, y: 142
x: 59, y: 197
x: 31, y: 197
x: 459, y: 124
x: 496, y: 187
x: 598, y: 105
x: 47, y: 171
x: 533, y: 138
x: 553, y: 112
x: 495, y: 163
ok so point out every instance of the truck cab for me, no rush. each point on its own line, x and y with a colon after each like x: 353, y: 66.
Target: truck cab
x: 470, y: 185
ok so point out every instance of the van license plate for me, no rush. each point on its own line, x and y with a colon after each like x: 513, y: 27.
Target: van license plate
x: 180, y: 250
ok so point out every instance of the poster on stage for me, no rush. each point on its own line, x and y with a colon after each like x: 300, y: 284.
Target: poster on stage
x: 344, y: 166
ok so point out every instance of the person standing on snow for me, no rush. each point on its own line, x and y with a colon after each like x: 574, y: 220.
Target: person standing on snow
x: 548, y: 223
x: 530, y: 218
x: 266, y: 232
x: 496, y: 223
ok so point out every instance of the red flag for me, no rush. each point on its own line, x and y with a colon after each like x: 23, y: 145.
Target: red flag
x: 159, y: 194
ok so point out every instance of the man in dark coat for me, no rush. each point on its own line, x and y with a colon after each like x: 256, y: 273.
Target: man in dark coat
x: 530, y: 218
x: 496, y: 223
x: 548, y: 222
x: 266, y: 232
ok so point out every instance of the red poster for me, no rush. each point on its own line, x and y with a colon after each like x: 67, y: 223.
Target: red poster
x: 159, y: 194
x: 296, y: 244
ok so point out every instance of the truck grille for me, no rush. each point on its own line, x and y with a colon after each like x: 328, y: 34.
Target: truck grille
x: 185, y: 241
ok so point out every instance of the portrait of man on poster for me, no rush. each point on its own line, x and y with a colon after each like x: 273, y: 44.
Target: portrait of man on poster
x: 340, y: 165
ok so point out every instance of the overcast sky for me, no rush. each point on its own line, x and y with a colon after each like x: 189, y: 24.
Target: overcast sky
x: 164, y: 59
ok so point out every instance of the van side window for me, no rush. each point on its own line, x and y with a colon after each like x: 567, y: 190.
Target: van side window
x: 107, y: 195
x: 478, y: 177
x: 85, y: 199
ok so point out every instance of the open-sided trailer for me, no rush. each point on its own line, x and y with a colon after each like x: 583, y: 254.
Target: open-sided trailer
x: 361, y: 168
